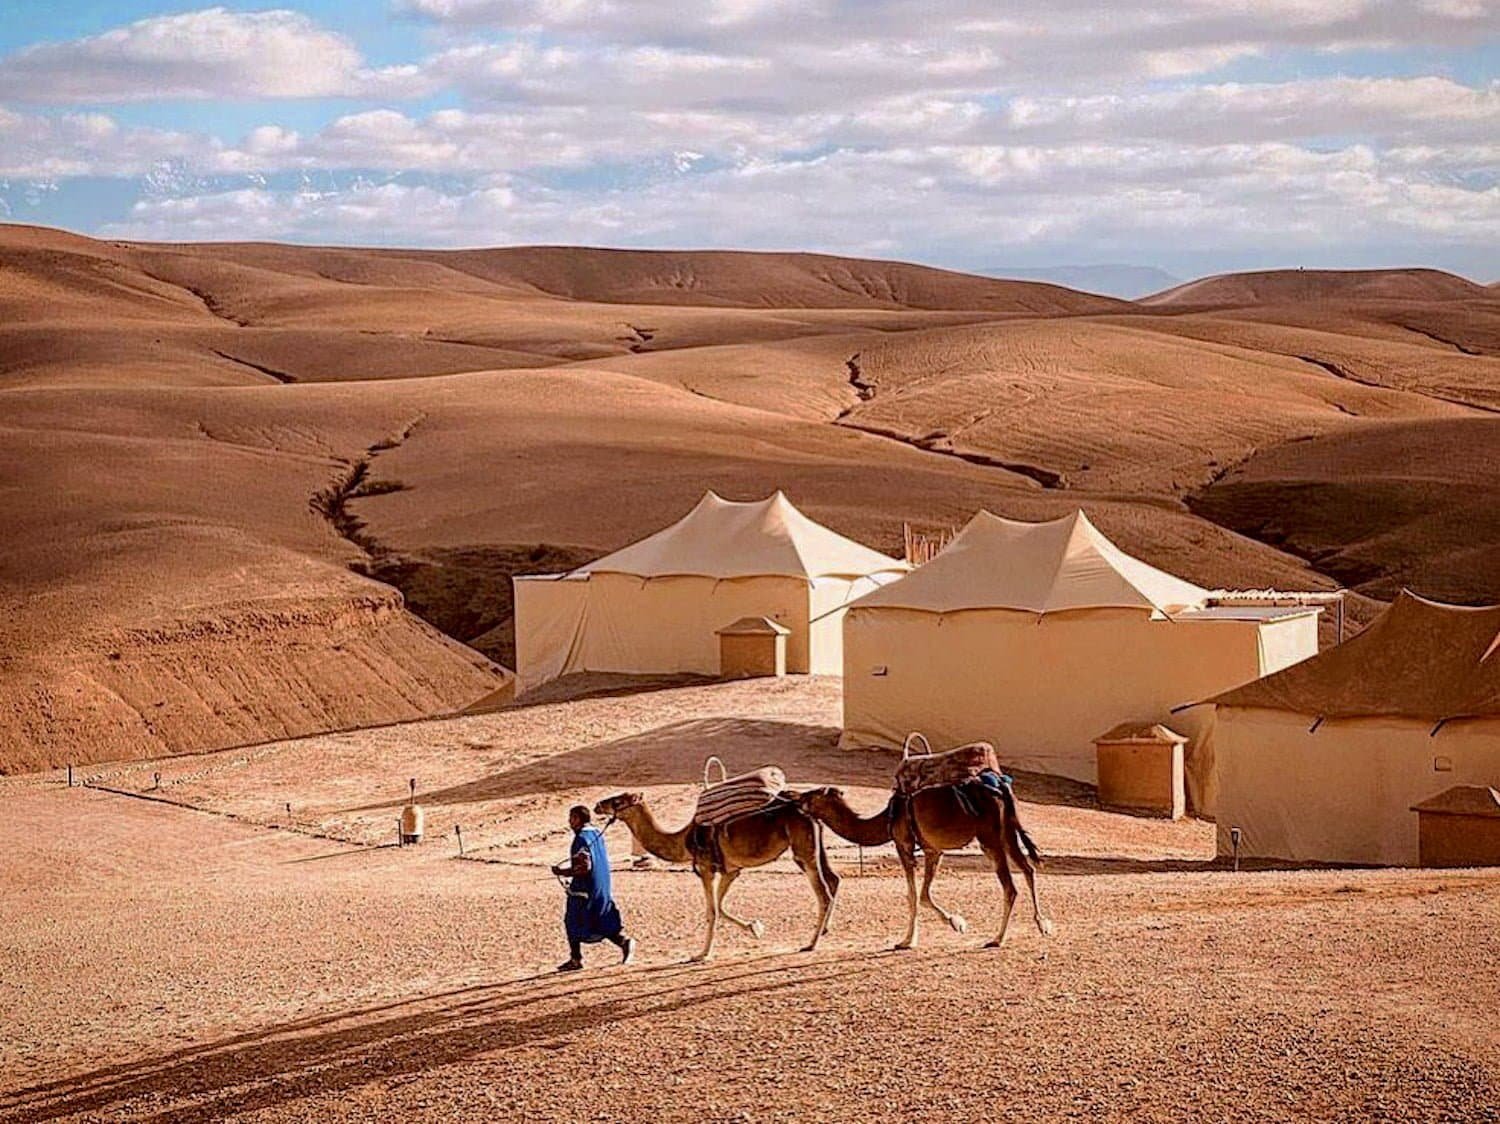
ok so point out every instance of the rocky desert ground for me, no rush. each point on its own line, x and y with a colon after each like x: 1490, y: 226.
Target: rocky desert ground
x: 179, y: 946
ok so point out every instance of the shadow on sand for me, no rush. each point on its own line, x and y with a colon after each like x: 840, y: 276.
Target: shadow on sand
x: 674, y: 754
x: 312, y: 1057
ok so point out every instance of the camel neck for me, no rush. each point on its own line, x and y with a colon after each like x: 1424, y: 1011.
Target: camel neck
x: 669, y: 846
x: 867, y: 831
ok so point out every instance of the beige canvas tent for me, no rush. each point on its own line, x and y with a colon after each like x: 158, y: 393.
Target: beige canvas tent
x: 1324, y: 761
x: 656, y: 606
x: 1040, y: 637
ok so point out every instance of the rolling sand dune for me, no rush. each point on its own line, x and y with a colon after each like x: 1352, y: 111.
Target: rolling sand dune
x: 224, y: 464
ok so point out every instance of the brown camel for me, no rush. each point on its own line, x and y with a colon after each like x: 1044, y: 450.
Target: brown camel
x: 753, y: 840
x: 944, y: 822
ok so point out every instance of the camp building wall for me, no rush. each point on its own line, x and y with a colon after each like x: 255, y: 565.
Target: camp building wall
x: 1341, y: 792
x: 628, y: 624
x: 1042, y: 688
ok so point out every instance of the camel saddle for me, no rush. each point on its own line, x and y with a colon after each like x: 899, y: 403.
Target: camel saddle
x: 739, y: 796
x: 941, y: 770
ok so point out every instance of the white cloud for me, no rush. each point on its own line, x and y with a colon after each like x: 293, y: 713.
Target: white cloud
x: 92, y: 144
x: 212, y: 53
x: 944, y: 203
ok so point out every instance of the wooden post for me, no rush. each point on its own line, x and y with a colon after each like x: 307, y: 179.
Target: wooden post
x: 156, y: 780
x: 70, y: 774
x: 458, y: 830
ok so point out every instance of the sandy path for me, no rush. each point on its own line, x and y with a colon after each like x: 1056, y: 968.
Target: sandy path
x: 174, y: 965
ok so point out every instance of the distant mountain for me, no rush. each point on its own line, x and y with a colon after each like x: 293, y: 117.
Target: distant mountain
x: 1299, y: 286
x: 1128, y: 281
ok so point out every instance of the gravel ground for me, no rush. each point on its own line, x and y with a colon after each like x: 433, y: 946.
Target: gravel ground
x: 170, y: 964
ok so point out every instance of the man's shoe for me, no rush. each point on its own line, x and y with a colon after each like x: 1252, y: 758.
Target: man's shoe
x: 570, y: 966
x: 627, y: 950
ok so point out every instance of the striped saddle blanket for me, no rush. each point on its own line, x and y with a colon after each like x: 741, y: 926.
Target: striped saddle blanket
x: 739, y: 796
x: 934, y: 770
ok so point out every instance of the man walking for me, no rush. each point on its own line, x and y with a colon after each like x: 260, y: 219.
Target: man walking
x: 592, y: 915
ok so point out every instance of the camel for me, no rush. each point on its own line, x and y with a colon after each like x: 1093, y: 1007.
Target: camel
x: 753, y: 840
x: 943, y: 823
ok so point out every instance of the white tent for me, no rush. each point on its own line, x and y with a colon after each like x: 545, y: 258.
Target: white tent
x: 1323, y: 761
x: 655, y: 606
x: 1041, y: 636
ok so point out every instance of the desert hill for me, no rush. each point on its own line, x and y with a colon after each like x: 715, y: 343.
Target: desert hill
x: 232, y: 471
x: 1291, y: 286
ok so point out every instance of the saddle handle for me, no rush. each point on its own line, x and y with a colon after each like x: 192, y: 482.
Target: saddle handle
x: 723, y: 773
x: 915, y: 737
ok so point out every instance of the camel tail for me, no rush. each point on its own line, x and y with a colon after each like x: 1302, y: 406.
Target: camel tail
x: 1008, y: 798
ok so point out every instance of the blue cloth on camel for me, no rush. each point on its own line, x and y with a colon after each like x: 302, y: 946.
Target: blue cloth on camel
x: 591, y: 914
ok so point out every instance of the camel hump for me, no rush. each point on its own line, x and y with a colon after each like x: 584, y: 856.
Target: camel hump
x: 940, y: 770
x: 740, y: 795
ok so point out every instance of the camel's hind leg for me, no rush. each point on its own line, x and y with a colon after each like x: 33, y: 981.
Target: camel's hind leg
x: 909, y: 866
x: 831, y: 878
x: 711, y: 906
x: 996, y: 855
x: 806, y: 853
x: 1028, y: 869
x: 933, y: 860
x: 755, y: 928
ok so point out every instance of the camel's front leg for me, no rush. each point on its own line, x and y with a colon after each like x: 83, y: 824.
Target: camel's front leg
x: 933, y: 859
x: 909, y: 866
x: 711, y: 905
x: 755, y: 928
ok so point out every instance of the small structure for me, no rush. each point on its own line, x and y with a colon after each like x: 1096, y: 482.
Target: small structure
x: 413, y: 819
x: 1459, y: 827
x: 1141, y: 770
x: 752, y: 647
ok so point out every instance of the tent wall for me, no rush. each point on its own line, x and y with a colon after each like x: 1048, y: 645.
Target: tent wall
x: 626, y: 624
x: 1040, y: 688
x: 550, y: 615
x: 826, y: 627
x: 1282, y: 643
x: 1342, y: 792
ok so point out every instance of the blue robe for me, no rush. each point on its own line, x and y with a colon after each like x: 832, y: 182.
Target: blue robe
x: 591, y: 914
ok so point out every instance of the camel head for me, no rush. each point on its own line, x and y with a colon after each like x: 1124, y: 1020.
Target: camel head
x: 814, y: 798
x: 618, y: 804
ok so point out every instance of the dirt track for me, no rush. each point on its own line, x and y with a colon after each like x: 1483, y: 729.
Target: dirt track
x: 170, y: 964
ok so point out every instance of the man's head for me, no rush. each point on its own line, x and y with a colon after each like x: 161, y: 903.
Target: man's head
x: 578, y: 817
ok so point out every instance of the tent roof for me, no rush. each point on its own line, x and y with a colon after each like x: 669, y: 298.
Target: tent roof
x: 755, y: 626
x: 723, y: 538
x: 1152, y: 733
x: 1063, y: 564
x: 1419, y: 659
x: 1463, y: 800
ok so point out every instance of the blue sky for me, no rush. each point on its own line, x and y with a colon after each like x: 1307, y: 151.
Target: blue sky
x: 1196, y: 135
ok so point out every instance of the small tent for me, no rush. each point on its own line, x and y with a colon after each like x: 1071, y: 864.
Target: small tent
x: 657, y: 605
x: 1324, y: 761
x: 1039, y: 637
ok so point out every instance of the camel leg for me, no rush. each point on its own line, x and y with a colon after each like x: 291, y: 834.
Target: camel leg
x: 909, y: 866
x: 831, y: 880
x: 1008, y: 884
x: 1028, y: 869
x: 711, y: 904
x: 933, y: 859
x: 807, y: 861
x: 755, y: 928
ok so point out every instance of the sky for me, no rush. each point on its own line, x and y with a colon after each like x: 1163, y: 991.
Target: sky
x: 1194, y: 136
